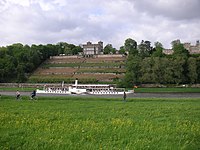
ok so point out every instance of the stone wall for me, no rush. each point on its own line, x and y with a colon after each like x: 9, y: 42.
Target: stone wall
x: 110, y: 55
x: 29, y: 85
x: 63, y: 57
x: 193, y: 49
x: 41, y: 85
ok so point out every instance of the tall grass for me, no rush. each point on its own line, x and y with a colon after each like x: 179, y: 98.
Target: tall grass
x: 99, y: 123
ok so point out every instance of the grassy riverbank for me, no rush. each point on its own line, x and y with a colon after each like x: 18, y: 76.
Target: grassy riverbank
x: 167, y: 90
x: 99, y: 123
x: 15, y: 89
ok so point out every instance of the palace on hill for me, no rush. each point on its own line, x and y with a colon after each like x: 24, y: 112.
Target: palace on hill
x: 93, y: 49
x: 97, y: 48
x: 193, y: 49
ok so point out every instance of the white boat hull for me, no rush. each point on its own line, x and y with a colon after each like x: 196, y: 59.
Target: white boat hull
x: 91, y: 89
x: 81, y: 92
x: 52, y: 92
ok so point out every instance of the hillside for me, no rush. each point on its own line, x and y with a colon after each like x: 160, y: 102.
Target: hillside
x: 103, y: 69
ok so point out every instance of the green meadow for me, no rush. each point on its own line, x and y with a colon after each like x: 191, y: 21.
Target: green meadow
x: 99, y: 123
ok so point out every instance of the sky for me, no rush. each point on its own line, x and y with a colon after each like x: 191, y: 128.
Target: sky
x: 111, y: 21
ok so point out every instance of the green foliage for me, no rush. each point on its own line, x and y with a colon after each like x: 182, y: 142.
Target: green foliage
x: 130, y: 45
x: 145, y: 49
x: 158, y: 50
x: 122, y: 50
x: 155, y: 67
x: 17, y: 60
x: 20, y: 73
x: 108, y: 49
x: 132, y: 72
x: 159, y: 70
x: 144, y: 64
x: 68, y: 49
x: 179, y: 50
x: 147, y: 70
x: 99, y: 123
x: 198, y: 69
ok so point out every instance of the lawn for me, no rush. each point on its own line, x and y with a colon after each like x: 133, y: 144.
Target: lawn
x: 99, y: 123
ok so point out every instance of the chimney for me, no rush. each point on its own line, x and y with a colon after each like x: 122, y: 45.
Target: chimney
x: 89, y: 43
x: 76, y: 82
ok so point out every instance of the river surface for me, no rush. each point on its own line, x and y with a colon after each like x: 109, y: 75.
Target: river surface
x: 135, y: 95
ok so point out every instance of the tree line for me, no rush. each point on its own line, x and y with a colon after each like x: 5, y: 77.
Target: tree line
x: 18, y: 61
x: 147, y: 64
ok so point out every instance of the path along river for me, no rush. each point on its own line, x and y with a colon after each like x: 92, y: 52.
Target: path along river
x: 135, y: 95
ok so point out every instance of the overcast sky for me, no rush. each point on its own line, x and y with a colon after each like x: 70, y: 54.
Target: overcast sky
x: 111, y: 21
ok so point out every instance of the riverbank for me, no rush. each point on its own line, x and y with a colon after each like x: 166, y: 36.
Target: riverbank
x: 137, y: 90
x: 129, y: 96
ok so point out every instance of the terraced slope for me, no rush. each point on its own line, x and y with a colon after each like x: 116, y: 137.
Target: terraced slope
x: 104, y: 68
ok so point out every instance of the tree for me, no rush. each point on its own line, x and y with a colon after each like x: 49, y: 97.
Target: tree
x: 167, y: 68
x: 122, y: 50
x: 175, y: 42
x: 178, y: 70
x: 3, y: 51
x: 145, y: 48
x: 192, y: 70
x: 157, y: 70
x: 20, y: 73
x: 35, y: 59
x: 132, y: 71
x: 43, y: 50
x: 108, y: 49
x: 10, y: 67
x: 146, y: 70
x: 158, y: 50
x: 130, y: 45
x: 198, y: 69
x: 17, y: 61
x: 76, y: 50
x: 61, y: 47
x: 69, y: 49
x: 179, y: 49
x: 2, y: 70
x: 52, y: 49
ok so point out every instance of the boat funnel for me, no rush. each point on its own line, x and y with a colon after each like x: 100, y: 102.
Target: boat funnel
x: 76, y: 82
x: 62, y: 84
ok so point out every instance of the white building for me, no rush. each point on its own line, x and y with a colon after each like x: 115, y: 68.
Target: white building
x: 93, y: 49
